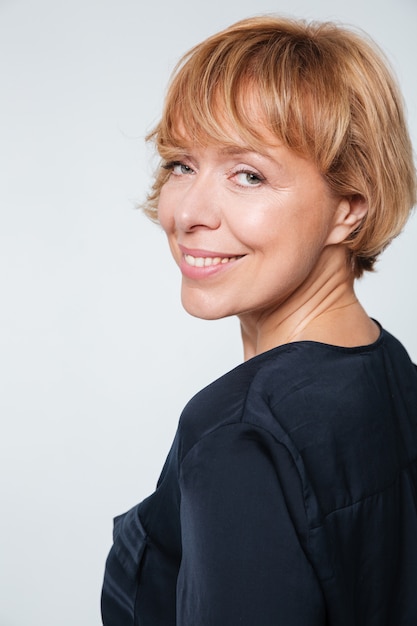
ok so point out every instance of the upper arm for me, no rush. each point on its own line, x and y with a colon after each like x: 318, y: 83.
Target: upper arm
x: 242, y: 561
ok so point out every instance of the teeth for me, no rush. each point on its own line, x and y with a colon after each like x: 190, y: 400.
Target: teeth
x: 199, y: 261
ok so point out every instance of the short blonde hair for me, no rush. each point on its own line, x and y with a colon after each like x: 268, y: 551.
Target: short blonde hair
x: 320, y: 89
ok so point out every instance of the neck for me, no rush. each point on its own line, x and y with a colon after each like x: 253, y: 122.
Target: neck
x: 324, y: 308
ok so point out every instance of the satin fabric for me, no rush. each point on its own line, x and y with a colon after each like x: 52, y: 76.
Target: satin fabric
x: 289, y: 497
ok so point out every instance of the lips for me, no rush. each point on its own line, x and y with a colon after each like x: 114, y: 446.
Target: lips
x: 198, y: 264
x: 208, y: 261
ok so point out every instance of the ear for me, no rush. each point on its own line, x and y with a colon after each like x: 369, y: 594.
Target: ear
x: 348, y: 215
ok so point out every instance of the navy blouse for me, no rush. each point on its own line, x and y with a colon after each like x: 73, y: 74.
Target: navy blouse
x: 289, y: 498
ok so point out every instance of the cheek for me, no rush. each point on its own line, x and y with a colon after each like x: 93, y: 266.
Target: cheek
x: 293, y: 231
x: 263, y: 230
x: 256, y: 226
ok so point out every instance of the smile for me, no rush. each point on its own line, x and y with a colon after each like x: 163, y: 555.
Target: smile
x: 207, y: 261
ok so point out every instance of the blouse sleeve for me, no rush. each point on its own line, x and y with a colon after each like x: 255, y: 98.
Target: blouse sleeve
x: 242, y: 563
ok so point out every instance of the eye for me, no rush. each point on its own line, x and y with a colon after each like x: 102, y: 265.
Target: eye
x: 247, y: 178
x: 177, y: 168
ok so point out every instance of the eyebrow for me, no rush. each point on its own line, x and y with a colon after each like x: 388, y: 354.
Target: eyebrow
x: 233, y: 150
x: 237, y: 150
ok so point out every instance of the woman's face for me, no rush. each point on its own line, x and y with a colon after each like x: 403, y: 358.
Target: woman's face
x: 246, y: 229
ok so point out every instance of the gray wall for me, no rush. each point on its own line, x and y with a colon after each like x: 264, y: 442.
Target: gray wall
x: 96, y: 356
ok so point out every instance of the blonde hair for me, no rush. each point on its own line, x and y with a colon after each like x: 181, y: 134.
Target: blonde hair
x: 320, y: 89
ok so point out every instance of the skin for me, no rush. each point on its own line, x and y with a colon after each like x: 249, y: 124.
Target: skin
x: 274, y: 235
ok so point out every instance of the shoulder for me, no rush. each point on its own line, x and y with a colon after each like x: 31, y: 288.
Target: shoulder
x: 224, y: 402
x: 330, y: 408
x: 296, y: 376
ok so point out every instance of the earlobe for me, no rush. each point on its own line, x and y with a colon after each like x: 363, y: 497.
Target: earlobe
x: 349, y: 213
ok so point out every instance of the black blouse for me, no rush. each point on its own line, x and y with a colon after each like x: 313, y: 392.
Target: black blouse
x: 289, y: 498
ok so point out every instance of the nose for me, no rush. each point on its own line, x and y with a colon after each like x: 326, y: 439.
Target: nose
x: 198, y: 206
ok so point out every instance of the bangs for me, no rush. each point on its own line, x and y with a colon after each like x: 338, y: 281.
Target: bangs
x: 203, y: 119
x: 242, y: 93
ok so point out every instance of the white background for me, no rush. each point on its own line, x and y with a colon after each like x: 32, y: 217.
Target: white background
x: 96, y: 356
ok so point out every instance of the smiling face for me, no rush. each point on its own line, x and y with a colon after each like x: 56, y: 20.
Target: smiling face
x: 248, y: 230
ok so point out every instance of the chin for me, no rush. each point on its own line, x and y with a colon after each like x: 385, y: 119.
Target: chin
x: 203, y: 308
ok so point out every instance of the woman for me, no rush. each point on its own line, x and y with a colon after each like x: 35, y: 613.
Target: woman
x: 289, y: 496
